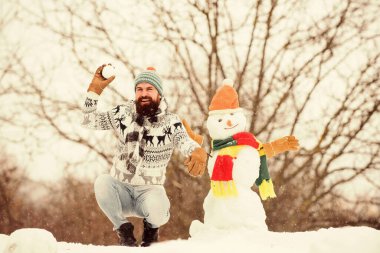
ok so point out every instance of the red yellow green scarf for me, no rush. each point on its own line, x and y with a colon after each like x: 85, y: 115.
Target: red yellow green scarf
x: 222, y: 183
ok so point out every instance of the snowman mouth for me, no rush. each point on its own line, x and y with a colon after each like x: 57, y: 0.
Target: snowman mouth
x: 231, y: 127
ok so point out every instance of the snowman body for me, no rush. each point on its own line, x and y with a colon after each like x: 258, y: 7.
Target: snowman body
x: 245, y: 208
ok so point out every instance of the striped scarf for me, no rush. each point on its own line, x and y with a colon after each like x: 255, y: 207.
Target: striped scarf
x: 135, y: 132
x: 222, y: 183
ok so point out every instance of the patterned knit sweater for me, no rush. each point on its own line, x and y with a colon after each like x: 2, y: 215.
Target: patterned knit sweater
x: 143, y: 151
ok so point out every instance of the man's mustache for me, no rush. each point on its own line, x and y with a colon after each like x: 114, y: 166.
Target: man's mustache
x: 146, y: 97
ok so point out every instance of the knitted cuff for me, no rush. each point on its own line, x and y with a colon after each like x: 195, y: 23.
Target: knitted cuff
x: 93, y: 95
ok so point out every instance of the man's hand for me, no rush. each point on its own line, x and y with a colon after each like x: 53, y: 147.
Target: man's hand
x: 98, y: 82
x: 196, y: 137
x: 196, y: 162
x: 281, y: 145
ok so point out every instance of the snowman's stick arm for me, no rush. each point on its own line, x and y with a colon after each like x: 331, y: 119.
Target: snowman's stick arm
x: 194, y: 136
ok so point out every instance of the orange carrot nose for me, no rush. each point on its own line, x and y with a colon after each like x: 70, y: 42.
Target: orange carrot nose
x: 229, y: 123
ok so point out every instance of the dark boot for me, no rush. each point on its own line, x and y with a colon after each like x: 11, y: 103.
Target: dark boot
x: 125, y: 234
x: 150, y: 235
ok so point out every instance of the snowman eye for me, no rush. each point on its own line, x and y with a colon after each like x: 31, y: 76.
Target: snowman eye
x: 232, y: 113
x: 219, y: 120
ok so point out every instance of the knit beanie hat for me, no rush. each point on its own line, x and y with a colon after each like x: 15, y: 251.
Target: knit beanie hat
x: 150, y: 76
x: 225, y: 99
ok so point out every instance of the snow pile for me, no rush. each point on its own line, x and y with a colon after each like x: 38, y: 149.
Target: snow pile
x: 28, y: 240
x: 3, y: 242
x: 345, y: 240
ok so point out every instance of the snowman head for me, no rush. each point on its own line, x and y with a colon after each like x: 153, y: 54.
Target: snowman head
x: 226, y: 118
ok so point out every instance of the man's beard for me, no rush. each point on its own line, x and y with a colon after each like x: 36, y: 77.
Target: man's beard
x: 148, y: 110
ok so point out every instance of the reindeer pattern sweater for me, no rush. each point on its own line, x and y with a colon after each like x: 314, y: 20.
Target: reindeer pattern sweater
x: 153, y: 142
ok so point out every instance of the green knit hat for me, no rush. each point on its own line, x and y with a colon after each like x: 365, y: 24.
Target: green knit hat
x: 150, y: 76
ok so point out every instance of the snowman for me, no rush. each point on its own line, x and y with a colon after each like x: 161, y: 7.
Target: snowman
x: 237, y: 162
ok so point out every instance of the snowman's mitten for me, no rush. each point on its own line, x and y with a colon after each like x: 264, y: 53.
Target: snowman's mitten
x: 280, y: 145
x: 98, y: 82
x: 196, y: 162
x: 196, y: 137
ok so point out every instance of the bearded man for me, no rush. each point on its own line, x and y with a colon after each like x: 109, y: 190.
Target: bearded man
x: 147, y: 134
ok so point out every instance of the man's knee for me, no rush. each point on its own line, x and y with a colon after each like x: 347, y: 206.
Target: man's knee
x: 158, y: 217
x: 157, y: 211
x: 102, y: 184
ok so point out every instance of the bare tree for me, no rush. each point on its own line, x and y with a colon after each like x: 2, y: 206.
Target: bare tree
x: 11, y: 178
x: 297, y: 71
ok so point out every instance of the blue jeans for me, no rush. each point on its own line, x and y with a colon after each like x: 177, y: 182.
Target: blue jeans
x: 120, y: 200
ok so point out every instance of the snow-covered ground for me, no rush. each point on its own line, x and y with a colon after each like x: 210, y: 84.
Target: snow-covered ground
x: 345, y: 240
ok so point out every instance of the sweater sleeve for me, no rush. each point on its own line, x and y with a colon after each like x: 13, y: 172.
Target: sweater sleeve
x: 93, y: 119
x: 181, y: 139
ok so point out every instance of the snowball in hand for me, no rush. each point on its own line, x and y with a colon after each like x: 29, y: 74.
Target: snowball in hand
x: 108, y: 71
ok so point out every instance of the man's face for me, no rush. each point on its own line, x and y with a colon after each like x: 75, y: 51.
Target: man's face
x: 147, y: 99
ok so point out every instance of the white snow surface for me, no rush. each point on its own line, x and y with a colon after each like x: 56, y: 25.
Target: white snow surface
x: 345, y: 240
